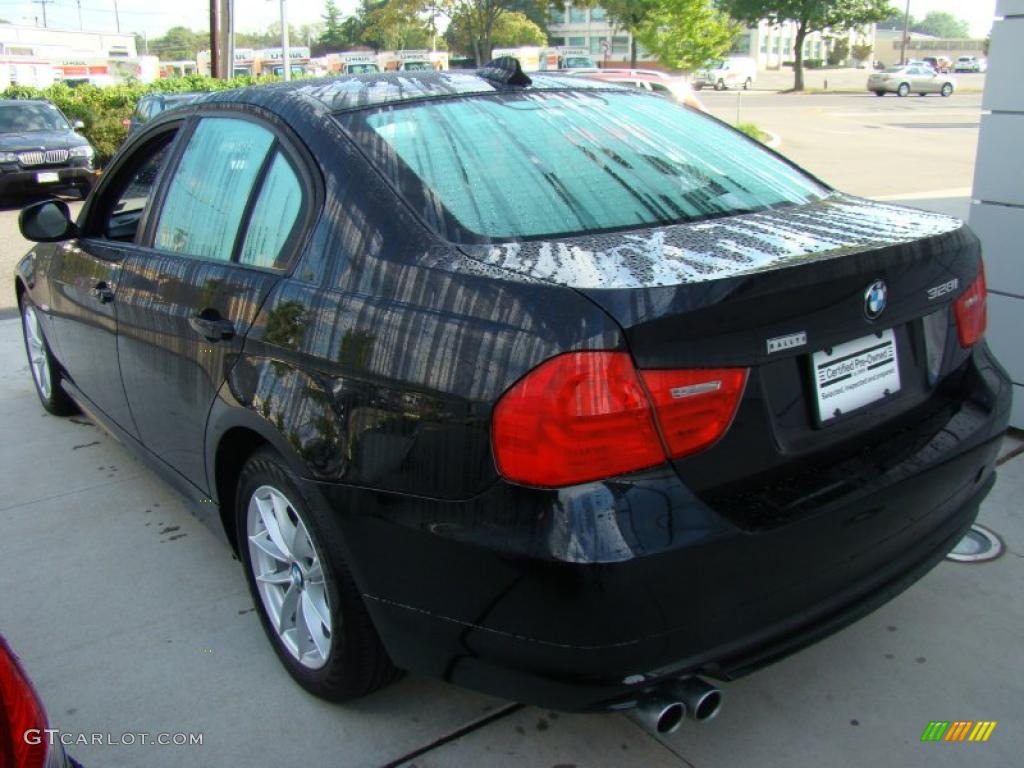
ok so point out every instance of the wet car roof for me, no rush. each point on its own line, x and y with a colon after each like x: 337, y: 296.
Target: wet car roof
x: 347, y: 92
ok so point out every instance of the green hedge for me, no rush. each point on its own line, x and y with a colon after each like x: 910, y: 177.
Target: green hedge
x: 103, y: 108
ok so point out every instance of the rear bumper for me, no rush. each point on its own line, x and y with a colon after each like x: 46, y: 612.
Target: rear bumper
x: 584, y: 598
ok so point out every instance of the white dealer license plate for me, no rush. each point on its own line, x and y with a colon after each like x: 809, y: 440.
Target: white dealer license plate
x: 854, y: 374
x: 47, y: 177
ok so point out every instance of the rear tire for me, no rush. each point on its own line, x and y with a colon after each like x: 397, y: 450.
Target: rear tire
x: 322, y: 634
x: 720, y: 85
x: 903, y: 90
x: 747, y: 83
x: 879, y: 93
x: 46, y: 372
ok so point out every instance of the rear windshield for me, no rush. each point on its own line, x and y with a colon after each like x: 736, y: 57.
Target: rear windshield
x: 541, y: 164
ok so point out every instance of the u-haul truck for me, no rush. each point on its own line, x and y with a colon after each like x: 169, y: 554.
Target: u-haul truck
x: 528, y: 56
x: 413, y: 60
x: 566, y: 58
x: 354, y: 63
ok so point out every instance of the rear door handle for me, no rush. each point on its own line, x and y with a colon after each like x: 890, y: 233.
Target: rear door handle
x: 102, y: 293
x: 211, y: 326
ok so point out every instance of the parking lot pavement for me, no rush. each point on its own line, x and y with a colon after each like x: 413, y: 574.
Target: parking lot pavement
x: 865, y: 145
x: 132, y: 617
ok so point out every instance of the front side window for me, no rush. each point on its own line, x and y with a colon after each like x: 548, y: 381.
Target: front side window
x: 124, y: 203
x: 207, y: 195
x: 559, y: 163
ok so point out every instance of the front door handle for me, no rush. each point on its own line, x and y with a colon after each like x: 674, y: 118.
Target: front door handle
x: 102, y: 293
x: 211, y: 326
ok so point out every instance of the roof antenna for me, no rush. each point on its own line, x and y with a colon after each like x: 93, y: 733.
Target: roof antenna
x: 505, y: 70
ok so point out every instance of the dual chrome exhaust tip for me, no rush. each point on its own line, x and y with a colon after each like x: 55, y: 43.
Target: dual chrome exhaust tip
x: 664, y: 710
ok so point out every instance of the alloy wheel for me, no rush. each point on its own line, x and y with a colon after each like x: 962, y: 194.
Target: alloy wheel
x: 37, y: 355
x: 289, y: 576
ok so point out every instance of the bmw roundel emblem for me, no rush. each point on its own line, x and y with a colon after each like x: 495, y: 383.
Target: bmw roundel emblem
x: 875, y: 299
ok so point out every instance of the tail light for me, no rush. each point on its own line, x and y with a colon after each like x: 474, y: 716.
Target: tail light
x: 584, y: 416
x: 971, y: 311
x: 694, y: 407
x: 20, y: 711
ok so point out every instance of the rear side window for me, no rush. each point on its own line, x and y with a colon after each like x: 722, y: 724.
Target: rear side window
x: 274, y: 216
x: 559, y: 163
x: 207, y: 195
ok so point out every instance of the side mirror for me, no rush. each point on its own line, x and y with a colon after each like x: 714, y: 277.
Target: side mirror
x: 47, y: 222
x: 78, y: 125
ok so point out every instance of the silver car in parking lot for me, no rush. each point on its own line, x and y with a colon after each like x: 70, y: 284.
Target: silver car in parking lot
x: 910, y: 78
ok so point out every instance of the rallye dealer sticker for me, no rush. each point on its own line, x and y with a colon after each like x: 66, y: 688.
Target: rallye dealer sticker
x: 856, y: 373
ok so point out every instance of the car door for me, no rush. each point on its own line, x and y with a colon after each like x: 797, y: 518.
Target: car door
x: 228, y: 211
x: 930, y: 80
x: 87, y: 274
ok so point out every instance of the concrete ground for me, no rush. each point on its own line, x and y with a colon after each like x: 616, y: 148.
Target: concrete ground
x: 131, y: 617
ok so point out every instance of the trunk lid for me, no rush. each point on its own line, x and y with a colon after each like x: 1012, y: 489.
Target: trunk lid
x: 766, y: 291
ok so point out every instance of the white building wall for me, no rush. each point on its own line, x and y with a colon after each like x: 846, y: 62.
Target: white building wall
x: 998, y: 213
x: 65, y: 42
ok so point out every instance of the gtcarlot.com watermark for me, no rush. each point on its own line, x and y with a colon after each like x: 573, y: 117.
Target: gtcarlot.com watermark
x: 52, y: 736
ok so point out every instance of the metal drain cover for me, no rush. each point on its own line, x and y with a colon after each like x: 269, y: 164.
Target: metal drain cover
x: 980, y: 544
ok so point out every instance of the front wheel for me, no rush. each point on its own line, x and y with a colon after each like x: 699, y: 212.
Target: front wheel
x: 947, y: 90
x: 903, y: 90
x: 309, y: 605
x: 747, y: 83
x: 720, y: 85
x: 46, y: 372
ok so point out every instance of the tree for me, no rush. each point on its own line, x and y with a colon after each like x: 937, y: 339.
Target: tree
x: 535, y: 11
x: 862, y: 52
x: 839, y: 52
x: 179, y: 43
x: 944, y: 25
x: 895, y: 21
x: 809, y: 16
x: 478, y: 19
x: 511, y: 30
x: 333, y: 37
x: 684, y: 34
x: 397, y: 25
x: 630, y: 16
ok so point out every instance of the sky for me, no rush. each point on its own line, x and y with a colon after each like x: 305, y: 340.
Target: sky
x: 254, y: 15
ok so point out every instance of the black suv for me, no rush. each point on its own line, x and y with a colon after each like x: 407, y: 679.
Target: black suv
x: 40, y: 150
x: 153, y: 104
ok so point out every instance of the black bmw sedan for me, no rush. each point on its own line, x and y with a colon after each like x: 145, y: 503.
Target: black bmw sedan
x: 549, y: 388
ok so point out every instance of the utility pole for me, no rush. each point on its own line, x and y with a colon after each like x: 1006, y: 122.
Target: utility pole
x: 117, y: 17
x: 79, y: 4
x: 43, y: 4
x: 906, y: 33
x: 222, y: 57
x: 286, y: 59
